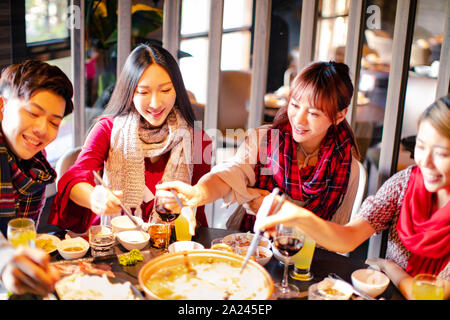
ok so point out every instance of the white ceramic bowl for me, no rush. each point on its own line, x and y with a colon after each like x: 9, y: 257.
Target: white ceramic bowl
x: 185, y: 246
x: 69, y: 244
x: 123, y: 223
x: 47, y: 242
x: 264, y: 254
x: 370, y: 281
x: 133, y: 239
x: 330, y: 289
x: 244, y: 240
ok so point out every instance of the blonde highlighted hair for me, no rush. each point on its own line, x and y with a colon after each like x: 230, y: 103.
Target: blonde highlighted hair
x: 438, y: 114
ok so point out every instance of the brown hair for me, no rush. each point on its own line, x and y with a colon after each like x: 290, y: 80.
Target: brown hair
x: 438, y: 113
x: 327, y: 85
x: 24, y: 79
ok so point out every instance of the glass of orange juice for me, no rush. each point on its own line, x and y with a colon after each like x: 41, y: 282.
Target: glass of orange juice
x: 302, y: 261
x: 427, y: 287
x: 21, y: 231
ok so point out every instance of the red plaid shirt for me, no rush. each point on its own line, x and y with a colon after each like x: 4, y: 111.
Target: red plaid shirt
x: 322, y: 187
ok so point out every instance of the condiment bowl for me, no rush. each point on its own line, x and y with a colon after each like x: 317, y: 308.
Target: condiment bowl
x: 73, y: 248
x: 330, y: 289
x: 262, y: 255
x: 133, y: 239
x: 370, y: 281
x: 185, y: 246
x: 244, y: 239
x: 123, y: 223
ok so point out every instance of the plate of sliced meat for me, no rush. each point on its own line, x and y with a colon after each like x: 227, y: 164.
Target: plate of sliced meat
x: 84, y: 266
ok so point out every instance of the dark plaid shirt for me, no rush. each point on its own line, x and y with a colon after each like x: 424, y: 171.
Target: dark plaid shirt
x: 22, y: 183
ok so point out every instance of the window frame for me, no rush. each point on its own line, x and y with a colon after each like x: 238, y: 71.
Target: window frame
x: 43, y: 50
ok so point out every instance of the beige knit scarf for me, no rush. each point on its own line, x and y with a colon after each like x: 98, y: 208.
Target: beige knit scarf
x: 132, y: 140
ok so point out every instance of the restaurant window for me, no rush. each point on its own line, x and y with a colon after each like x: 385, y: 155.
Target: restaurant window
x: 46, y: 20
x: 101, y: 46
x: 236, y: 41
x: 423, y: 72
x: 332, y: 30
x: 47, y: 39
x: 376, y: 59
x: 101, y: 55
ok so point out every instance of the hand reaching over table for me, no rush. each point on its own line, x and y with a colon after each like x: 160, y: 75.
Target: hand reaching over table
x: 191, y: 196
x: 103, y: 201
x: 29, y: 271
x: 255, y: 204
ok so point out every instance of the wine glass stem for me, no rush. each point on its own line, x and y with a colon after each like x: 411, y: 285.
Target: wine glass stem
x: 284, y: 282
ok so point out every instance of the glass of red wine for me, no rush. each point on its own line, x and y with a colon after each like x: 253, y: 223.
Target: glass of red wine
x: 288, y: 242
x: 166, y: 215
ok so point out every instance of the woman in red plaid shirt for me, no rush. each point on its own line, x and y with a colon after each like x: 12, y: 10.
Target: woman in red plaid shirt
x: 309, y: 153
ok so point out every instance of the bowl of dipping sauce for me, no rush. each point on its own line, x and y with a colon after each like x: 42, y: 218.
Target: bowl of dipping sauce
x: 73, y: 248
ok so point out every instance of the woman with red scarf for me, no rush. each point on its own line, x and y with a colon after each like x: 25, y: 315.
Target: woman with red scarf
x: 414, y: 202
x: 306, y: 153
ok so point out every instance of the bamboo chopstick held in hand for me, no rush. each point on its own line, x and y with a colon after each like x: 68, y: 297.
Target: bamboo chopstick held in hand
x: 127, y: 212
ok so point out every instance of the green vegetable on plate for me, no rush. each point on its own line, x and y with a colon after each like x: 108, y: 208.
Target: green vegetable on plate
x: 131, y: 258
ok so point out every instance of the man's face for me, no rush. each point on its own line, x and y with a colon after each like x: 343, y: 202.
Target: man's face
x: 30, y: 125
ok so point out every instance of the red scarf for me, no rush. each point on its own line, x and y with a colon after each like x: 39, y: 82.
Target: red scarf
x: 424, y: 233
x: 322, y: 187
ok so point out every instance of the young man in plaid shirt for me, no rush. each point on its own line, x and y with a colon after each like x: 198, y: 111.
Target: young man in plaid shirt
x: 34, y: 98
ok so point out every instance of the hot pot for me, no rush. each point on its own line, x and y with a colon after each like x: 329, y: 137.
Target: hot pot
x: 204, y: 274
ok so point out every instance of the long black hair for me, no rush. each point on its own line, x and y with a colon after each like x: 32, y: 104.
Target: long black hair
x: 138, y: 61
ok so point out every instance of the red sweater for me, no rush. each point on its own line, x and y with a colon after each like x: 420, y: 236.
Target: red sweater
x: 68, y: 215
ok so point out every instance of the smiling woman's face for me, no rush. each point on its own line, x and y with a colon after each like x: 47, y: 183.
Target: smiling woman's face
x: 309, y: 124
x: 155, y: 95
x: 432, y: 155
x: 30, y: 125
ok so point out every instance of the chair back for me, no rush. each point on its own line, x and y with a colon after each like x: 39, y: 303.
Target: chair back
x: 65, y: 162
x: 234, y: 94
x: 361, y: 192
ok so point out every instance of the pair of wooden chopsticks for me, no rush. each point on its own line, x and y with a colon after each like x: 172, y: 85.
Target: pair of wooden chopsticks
x: 127, y: 212
x: 262, y: 212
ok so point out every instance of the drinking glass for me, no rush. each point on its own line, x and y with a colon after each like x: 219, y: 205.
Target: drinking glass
x: 101, y: 240
x: 165, y: 214
x: 160, y: 235
x: 21, y: 231
x: 302, y: 261
x: 427, y: 287
x: 288, y: 242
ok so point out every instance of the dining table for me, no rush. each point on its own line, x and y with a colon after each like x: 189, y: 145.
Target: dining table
x: 324, y: 263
